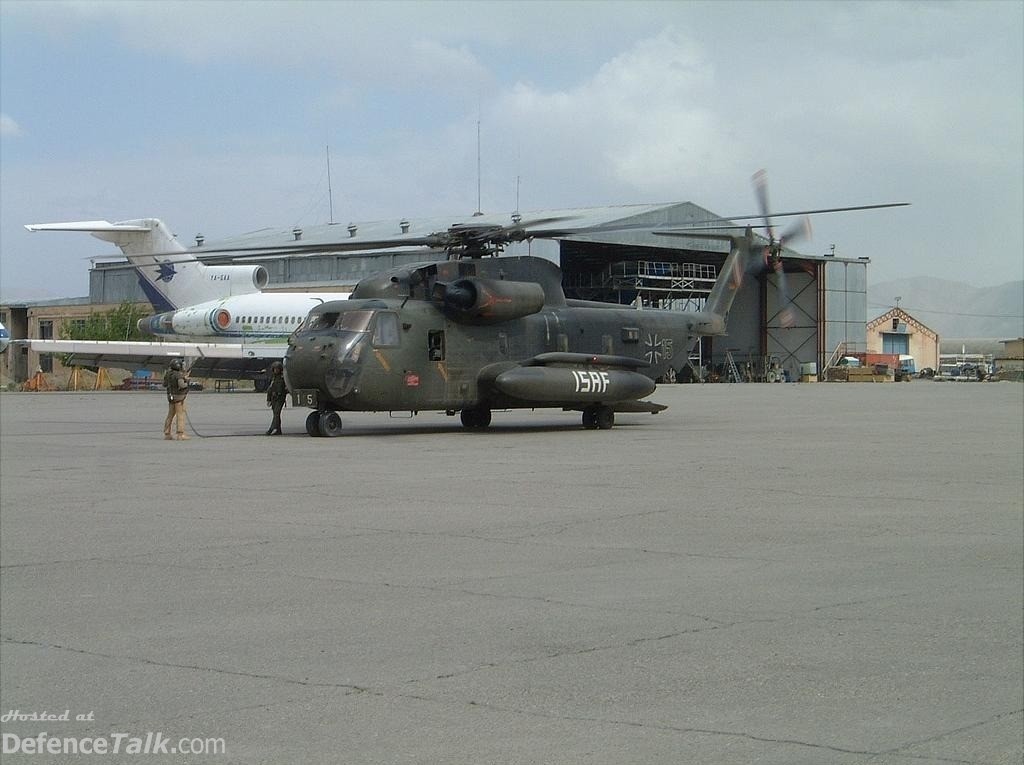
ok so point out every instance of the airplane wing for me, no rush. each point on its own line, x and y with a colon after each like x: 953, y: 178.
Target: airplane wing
x: 228, y: 361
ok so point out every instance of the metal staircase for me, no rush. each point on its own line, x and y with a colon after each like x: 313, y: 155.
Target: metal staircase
x: 732, y: 367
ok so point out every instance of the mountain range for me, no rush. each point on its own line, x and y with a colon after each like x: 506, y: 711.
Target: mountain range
x: 954, y: 309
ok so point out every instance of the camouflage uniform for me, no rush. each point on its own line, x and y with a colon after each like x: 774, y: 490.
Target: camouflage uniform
x: 176, y: 383
x: 277, y: 394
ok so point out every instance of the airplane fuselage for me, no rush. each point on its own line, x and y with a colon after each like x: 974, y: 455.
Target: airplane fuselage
x: 259, y: 317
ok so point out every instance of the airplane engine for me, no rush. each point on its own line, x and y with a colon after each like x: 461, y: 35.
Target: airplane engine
x: 488, y: 301
x: 188, y: 321
x: 246, y: 276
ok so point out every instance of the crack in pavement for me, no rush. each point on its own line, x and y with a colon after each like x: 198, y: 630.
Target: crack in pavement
x: 360, y: 690
x: 690, y: 730
x: 174, y: 665
x: 953, y: 732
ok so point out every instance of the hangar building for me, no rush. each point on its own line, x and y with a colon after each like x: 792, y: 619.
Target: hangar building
x: 896, y: 331
x: 625, y: 262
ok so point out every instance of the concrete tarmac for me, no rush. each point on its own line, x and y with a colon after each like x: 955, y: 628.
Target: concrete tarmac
x: 790, y: 573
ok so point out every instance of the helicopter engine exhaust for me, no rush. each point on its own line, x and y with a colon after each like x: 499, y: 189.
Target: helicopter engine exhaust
x: 474, y: 300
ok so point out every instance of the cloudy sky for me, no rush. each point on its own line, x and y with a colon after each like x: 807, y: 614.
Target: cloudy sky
x: 216, y: 117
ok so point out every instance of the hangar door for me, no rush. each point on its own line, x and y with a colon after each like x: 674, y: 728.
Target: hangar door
x: 792, y: 332
x: 895, y: 342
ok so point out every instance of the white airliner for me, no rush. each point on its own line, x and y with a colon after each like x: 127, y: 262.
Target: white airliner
x: 217, y: 317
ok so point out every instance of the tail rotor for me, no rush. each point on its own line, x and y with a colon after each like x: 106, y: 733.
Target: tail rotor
x: 798, y: 231
x: 749, y: 256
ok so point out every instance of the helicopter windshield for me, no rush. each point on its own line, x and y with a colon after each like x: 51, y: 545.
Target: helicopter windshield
x: 353, y: 321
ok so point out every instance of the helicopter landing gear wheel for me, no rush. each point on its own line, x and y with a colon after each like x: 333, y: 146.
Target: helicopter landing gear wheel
x: 595, y: 417
x: 476, y: 418
x: 329, y: 424
x: 313, y: 423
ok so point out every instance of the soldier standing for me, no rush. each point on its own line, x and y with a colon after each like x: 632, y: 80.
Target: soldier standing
x: 176, y: 383
x: 277, y: 394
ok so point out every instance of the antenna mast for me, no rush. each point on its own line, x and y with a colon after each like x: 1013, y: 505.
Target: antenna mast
x: 330, y: 193
x: 478, y: 210
x: 519, y: 163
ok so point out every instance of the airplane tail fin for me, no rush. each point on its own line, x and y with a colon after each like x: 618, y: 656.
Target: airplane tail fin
x: 170, y: 276
x: 136, y: 238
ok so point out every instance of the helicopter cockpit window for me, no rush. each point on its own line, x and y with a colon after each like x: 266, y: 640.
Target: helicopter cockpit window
x: 386, y: 332
x: 322, y: 320
x: 355, y: 321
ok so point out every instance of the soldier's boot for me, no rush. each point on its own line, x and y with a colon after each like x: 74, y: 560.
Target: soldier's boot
x: 183, y: 436
x: 168, y: 436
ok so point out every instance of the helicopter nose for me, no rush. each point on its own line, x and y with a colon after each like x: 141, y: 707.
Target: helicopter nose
x: 326, y: 363
x: 304, y: 360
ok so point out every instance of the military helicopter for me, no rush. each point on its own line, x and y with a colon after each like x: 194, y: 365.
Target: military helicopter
x: 470, y: 336
x: 476, y: 333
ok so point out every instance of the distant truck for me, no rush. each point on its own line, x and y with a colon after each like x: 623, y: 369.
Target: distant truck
x: 906, y: 369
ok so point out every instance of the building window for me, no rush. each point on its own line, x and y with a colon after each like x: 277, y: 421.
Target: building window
x: 46, y: 333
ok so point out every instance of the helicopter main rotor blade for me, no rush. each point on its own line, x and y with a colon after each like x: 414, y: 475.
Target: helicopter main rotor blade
x: 458, y: 235
x: 467, y: 235
x: 307, y: 248
x: 803, y: 212
x: 760, y: 180
x: 799, y: 231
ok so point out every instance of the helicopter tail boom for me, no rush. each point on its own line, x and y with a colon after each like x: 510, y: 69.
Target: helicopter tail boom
x: 731, y: 276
